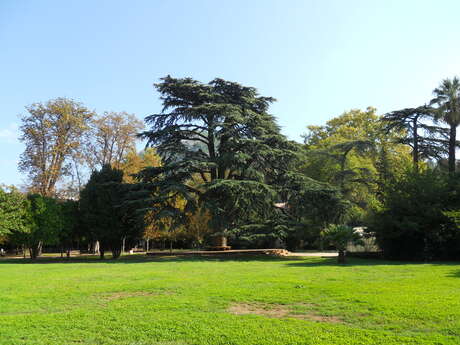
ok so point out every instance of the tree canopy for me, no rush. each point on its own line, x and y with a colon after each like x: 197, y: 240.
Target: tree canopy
x: 51, y: 133
x: 220, y: 147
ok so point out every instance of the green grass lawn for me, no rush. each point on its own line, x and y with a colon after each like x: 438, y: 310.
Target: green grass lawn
x: 174, y: 301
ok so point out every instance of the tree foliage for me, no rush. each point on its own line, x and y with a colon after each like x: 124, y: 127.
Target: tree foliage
x: 339, y: 236
x: 51, y: 133
x: 133, y: 163
x: 412, y: 223
x: 13, y: 211
x: 112, y: 137
x: 447, y: 99
x: 44, y: 223
x: 353, y: 153
x: 220, y: 148
x: 426, y: 140
x: 107, y: 215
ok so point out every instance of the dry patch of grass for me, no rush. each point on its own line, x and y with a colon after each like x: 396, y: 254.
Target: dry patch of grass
x: 114, y: 296
x: 123, y: 294
x: 280, y: 311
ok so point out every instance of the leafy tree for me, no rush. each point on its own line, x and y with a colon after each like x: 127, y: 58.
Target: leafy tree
x: 13, y: 210
x: 447, y: 99
x: 51, y: 133
x: 162, y: 224
x: 353, y: 153
x: 340, y: 236
x: 44, y: 223
x: 113, y: 136
x: 340, y: 153
x: 133, y: 162
x: 412, y: 224
x: 198, y: 226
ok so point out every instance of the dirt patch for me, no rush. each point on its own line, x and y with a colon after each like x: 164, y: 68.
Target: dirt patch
x: 271, y: 310
x: 109, y: 297
x: 280, y: 311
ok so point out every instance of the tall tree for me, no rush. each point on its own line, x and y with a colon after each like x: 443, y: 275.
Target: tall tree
x: 113, y: 135
x: 216, y: 139
x: 426, y: 140
x: 447, y: 99
x: 51, y: 132
x: 352, y: 152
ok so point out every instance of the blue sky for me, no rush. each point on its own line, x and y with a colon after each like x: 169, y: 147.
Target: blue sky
x: 318, y: 58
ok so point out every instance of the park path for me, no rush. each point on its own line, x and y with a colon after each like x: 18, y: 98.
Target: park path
x: 317, y: 254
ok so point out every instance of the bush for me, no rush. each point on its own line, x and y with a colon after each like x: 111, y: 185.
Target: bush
x: 412, y: 224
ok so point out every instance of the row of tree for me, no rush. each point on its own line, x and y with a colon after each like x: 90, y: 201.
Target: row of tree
x: 64, y: 141
x: 218, y: 167
x: 398, y: 171
x: 32, y: 220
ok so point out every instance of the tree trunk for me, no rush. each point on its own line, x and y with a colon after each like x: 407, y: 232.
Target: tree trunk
x: 34, y: 251
x: 101, y: 253
x: 415, y: 153
x: 341, y: 257
x: 116, y: 252
x: 220, y: 241
x: 123, y: 245
x: 452, y: 146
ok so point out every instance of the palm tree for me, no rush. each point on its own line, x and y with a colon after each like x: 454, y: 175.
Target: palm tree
x: 447, y: 97
x: 339, y: 236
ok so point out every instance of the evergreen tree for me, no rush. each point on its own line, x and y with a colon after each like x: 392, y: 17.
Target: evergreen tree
x: 107, y: 215
x: 426, y: 140
x: 219, y: 146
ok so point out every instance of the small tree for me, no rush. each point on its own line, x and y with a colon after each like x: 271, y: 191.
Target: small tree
x: 340, y: 236
x: 44, y: 223
x: 13, y: 210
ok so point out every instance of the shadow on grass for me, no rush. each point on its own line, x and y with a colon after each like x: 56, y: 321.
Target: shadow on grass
x: 352, y: 262
x: 292, y: 261
x: 135, y: 259
x: 455, y: 274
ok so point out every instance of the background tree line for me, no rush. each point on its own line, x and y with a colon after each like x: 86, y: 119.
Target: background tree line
x: 217, y: 167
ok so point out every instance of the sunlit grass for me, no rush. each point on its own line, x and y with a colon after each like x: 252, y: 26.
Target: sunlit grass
x: 249, y: 300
